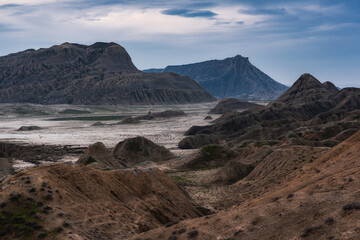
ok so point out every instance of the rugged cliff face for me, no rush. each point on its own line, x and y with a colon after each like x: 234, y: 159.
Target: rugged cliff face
x: 231, y: 77
x: 102, y: 73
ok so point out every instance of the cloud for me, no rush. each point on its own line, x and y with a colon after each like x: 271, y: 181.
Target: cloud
x: 189, y: 13
x: 265, y: 11
x: 5, y: 6
x: 7, y: 28
x: 189, y: 28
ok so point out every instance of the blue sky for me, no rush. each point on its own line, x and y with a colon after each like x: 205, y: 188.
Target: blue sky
x: 282, y: 38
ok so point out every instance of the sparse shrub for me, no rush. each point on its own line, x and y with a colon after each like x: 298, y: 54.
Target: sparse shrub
x: 238, y: 232
x: 246, y: 143
x: 351, y: 206
x: 292, y: 135
x: 41, y: 235
x: 193, y: 234
x: 169, y: 224
x: 14, y: 197
x: 32, y: 190
x: 181, y: 231
x: 20, y: 221
x: 3, y: 204
x: 211, y: 152
x: 290, y: 195
x: 90, y: 160
x: 309, y: 230
x: 172, y: 237
x: 204, y: 210
x: 329, y: 220
x: 49, y: 197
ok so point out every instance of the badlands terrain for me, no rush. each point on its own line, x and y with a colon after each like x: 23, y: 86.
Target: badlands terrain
x: 289, y: 169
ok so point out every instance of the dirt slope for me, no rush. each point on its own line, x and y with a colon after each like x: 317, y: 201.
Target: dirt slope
x: 79, y: 202
x: 321, y: 200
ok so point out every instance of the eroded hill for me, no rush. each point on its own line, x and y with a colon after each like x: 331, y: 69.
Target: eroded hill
x: 101, y: 73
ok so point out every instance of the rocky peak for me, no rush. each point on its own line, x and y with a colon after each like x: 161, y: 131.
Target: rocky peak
x: 307, y: 89
x: 330, y: 86
x: 306, y: 81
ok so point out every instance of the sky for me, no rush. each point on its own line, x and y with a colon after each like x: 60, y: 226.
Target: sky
x: 282, y: 38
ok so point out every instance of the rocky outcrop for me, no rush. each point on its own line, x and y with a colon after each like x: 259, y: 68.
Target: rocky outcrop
x: 232, y: 77
x: 102, y: 73
x: 99, y: 156
x: 6, y: 168
x: 36, y: 153
x: 232, y: 104
x: 212, y: 155
x: 29, y: 128
x: 232, y: 172
x: 129, y: 120
x: 164, y: 114
x: 307, y: 103
x: 140, y: 149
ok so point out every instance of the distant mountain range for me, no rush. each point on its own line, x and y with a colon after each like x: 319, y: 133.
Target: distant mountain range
x: 232, y: 77
x: 102, y: 73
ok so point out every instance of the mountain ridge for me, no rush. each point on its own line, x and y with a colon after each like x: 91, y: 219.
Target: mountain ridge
x: 101, y: 73
x: 231, y: 77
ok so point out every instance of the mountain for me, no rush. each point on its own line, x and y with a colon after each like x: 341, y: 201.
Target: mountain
x: 102, y: 73
x: 232, y: 77
x: 305, y: 110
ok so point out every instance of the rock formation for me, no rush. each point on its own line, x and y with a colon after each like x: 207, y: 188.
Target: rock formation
x: 140, y: 149
x: 99, y: 156
x: 6, y: 168
x: 232, y: 104
x: 304, y: 108
x: 102, y: 73
x: 232, y: 77
x: 164, y: 114
x: 29, y: 128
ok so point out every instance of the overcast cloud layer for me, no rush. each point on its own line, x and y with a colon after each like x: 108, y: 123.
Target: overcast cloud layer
x: 282, y: 38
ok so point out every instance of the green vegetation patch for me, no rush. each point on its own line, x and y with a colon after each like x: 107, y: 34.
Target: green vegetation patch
x: 90, y: 160
x: 246, y: 143
x: 29, y: 111
x: 20, y: 219
x: 89, y: 118
x: 74, y: 111
x: 292, y: 135
x: 212, y: 152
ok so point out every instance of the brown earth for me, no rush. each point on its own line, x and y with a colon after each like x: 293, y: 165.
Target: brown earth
x: 320, y: 200
x: 78, y: 202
